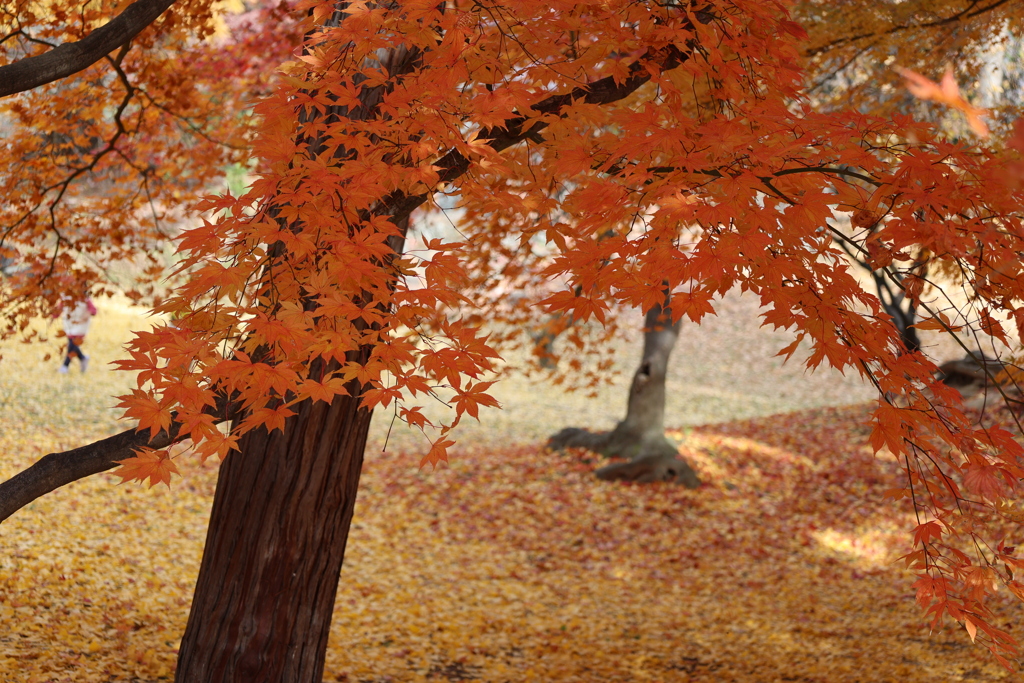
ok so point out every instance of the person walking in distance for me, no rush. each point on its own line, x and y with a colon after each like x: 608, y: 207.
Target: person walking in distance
x: 76, y: 318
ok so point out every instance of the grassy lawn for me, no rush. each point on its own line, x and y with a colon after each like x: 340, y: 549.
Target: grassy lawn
x: 510, y: 564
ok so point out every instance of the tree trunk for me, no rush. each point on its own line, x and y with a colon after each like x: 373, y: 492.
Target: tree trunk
x: 276, y: 542
x: 645, y: 409
x: 281, y: 515
x: 641, y: 435
x: 280, y: 520
x: 899, y: 306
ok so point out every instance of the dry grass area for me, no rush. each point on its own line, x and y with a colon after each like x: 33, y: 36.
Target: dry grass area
x: 510, y: 564
x: 723, y: 369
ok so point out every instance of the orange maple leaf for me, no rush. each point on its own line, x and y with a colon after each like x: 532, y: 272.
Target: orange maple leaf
x: 927, y: 531
x: 144, y: 408
x: 985, y: 481
x: 438, y: 452
x: 156, y: 466
x: 947, y: 92
x: 472, y: 397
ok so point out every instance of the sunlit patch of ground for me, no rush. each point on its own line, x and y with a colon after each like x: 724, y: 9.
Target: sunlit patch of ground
x: 510, y: 564
x: 518, y: 565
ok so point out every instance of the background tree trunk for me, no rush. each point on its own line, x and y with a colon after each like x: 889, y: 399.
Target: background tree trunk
x: 896, y: 303
x: 889, y: 284
x: 641, y: 435
x: 274, y: 549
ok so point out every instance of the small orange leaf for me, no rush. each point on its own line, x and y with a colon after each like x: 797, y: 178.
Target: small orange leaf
x: 144, y: 408
x: 863, y: 219
x: 972, y: 630
x: 927, y: 531
x: 438, y: 452
x: 156, y: 466
x: 947, y: 92
x: 940, y: 322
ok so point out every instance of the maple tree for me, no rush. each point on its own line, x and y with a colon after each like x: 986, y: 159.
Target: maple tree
x: 639, y: 436
x: 606, y: 153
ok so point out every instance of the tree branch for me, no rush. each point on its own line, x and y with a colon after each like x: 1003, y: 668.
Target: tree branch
x: 70, y: 58
x: 57, y: 469
x: 969, y: 12
x: 605, y: 91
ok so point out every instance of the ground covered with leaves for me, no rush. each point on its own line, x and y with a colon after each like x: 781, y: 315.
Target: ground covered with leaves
x: 511, y: 564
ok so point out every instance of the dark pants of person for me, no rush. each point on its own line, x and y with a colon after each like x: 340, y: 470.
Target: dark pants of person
x: 73, y: 349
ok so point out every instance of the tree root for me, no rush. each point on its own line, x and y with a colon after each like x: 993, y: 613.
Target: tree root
x: 650, y: 459
x: 649, y: 468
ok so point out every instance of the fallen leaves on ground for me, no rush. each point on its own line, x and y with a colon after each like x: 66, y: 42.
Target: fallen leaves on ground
x: 513, y: 564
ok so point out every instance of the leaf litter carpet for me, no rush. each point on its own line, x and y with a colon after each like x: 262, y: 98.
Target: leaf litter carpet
x: 511, y: 564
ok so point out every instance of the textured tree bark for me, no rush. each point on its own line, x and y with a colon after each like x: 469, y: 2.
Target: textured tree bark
x: 641, y: 435
x: 274, y: 549
x: 282, y: 510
